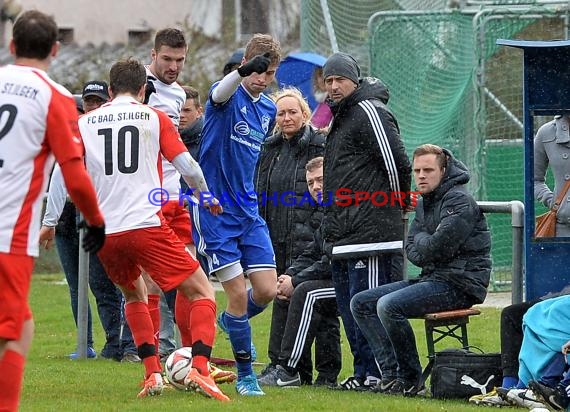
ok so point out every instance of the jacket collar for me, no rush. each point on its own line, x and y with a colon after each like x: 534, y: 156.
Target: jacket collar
x: 300, y: 141
x: 562, y: 129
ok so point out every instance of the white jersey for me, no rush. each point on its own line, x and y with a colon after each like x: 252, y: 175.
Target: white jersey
x: 124, y: 141
x: 37, y: 117
x: 169, y: 98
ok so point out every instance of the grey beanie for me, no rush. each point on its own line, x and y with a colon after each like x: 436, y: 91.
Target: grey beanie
x: 342, y: 64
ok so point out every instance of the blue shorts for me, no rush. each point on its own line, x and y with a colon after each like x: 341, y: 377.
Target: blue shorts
x: 227, y: 239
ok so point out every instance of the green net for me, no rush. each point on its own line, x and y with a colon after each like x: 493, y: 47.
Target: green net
x: 450, y: 84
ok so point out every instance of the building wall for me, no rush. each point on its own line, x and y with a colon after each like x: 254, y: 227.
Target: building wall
x: 109, y: 21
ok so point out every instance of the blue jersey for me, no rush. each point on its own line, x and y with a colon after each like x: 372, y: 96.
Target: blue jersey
x: 231, y: 142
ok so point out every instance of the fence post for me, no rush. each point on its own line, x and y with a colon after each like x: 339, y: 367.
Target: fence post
x: 516, y: 209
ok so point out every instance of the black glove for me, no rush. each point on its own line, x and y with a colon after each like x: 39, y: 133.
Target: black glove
x: 258, y: 64
x: 148, y: 91
x: 94, y: 237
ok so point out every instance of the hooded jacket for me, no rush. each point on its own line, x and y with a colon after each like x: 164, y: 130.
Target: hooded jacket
x: 291, y: 214
x: 364, y: 153
x: 449, y: 238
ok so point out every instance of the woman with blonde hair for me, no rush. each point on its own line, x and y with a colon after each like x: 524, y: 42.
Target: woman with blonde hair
x: 292, y: 217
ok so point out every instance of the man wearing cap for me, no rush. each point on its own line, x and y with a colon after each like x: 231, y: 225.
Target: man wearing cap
x: 363, y: 154
x: 95, y: 93
x: 60, y: 224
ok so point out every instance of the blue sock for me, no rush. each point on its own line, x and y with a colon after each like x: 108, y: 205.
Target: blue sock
x: 239, y: 331
x: 253, y: 308
x: 521, y: 385
x: 509, y: 382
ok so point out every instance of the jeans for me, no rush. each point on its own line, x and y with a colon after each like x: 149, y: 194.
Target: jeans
x: 554, y: 373
x: 107, y: 296
x: 382, y: 315
x: 351, y: 276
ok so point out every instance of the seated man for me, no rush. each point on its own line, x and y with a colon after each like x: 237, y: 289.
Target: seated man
x: 449, y: 239
x: 511, y: 332
x: 307, y: 286
x: 554, y: 386
x: 541, y: 362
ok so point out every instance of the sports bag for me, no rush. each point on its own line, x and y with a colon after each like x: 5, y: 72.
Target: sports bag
x: 460, y: 373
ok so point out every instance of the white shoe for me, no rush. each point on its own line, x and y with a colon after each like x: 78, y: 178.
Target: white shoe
x: 521, y: 397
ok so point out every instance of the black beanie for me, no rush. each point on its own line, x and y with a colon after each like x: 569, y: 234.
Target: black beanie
x: 342, y: 64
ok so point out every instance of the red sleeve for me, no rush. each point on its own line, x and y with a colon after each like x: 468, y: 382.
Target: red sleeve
x: 171, y: 144
x: 62, y: 131
x: 81, y: 190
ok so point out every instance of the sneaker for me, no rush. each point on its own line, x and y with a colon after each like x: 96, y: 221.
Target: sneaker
x: 401, y: 387
x: 152, y: 385
x: 556, y: 397
x: 222, y: 376
x: 281, y: 378
x: 524, y: 398
x: 224, y: 329
x: 204, y: 384
x: 131, y: 357
x: 349, y: 384
x: 384, y: 385
x: 269, y: 378
x: 369, y: 384
x: 268, y: 369
x: 248, y: 386
x: 490, y: 399
x: 91, y: 354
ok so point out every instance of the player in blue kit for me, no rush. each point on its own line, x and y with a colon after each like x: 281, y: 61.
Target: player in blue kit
x: 237, y: 120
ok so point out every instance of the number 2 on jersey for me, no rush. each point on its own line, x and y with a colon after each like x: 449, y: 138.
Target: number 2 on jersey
x: 126, y: 131
x: 12, y: 111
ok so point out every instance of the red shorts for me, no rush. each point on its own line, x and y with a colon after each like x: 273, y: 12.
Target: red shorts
x: 15, y: 278
x: 178, y: 218
x: 156, y: 250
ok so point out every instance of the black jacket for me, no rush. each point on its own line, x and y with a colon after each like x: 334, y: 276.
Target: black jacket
x: 364, y: 153
x: 192, y: 136
x: 313, y: 264
x: 291, y: 217
x: 449, y: 238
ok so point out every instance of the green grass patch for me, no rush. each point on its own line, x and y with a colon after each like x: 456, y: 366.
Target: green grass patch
x: 54, y: 383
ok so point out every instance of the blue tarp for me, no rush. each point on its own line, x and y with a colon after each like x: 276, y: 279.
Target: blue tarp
x: 297, y: 70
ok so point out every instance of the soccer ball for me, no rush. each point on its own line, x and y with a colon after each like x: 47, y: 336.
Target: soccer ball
x: 177, y: 366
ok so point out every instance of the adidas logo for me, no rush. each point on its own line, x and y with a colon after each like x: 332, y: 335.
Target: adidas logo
x: 360, y: 265
x: 243, y: 110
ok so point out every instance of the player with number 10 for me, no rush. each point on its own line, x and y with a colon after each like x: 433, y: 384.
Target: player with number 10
x: 124, y: 142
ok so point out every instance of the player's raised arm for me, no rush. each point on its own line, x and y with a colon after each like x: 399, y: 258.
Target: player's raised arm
x: 228, y: 85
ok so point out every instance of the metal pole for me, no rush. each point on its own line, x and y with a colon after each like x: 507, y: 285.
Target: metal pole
x: 82, y: 298
x: 329, y: 25
x: 405, y: 265
x: 516, y: 209
x: 237, y: 18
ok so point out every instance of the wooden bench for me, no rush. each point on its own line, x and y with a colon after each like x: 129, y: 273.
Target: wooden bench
x: 448, y: 324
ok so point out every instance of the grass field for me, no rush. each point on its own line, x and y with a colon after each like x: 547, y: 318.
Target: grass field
x: 54, y: 383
